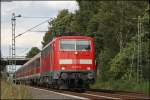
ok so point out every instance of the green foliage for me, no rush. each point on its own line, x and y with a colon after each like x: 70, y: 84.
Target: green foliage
x: 46, y: 39
x: 33, y: 52
x: 122, y: 85
x: 120, y: 65
x: 104, y: 66
x: 63, y: 22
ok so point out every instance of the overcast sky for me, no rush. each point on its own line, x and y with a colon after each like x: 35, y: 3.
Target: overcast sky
x: 29, y: 9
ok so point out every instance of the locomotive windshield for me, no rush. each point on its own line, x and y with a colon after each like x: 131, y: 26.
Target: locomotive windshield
x: 67, y: 44
x: 75, y: 44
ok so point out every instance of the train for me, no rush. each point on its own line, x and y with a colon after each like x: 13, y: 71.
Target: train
x: 66, y: 62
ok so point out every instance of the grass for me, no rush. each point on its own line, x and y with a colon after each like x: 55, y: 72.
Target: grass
x: 12, y: 91
x: 123, y: 85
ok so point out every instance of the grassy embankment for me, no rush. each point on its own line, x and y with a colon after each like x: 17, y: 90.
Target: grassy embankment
x: 123, y: 86
x: 12, y: 91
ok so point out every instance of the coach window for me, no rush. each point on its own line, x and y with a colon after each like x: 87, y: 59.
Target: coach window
x: 44, y: 53
x: 35, y: 63
x: 38, y: 62
x: 29, y: 68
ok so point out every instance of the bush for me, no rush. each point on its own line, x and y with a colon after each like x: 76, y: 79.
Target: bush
x: 122, y: 85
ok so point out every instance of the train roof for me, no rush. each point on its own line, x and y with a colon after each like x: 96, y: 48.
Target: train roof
x: 67, y: 37
x: 32, y: 59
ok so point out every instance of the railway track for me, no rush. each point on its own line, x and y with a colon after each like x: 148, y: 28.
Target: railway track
x: 119, y: 94
x: 101, y: 94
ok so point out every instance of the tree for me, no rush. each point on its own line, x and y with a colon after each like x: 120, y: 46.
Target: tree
x: 63, y: 23
x: 47, y: 38
x: 33, y: 51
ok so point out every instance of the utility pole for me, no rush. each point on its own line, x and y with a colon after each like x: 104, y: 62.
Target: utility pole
x: 13, y: 22
x: 9, y: 58
x: 138, y: 66
x: 139, y: 59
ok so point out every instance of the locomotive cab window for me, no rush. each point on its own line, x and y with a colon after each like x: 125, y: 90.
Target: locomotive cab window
x: 83, y: 45
x: 67, y: 45
x: 75, y: 44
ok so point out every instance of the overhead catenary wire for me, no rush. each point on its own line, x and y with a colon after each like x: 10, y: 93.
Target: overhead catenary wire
x: 38, y: 31
x: 33, y: 27
x: 33, y: 17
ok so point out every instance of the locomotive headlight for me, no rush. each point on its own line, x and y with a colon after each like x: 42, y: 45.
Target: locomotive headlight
x: 85, y: 61
x: 76, y: 53
x: 88, y: 68
x: 63, y: 68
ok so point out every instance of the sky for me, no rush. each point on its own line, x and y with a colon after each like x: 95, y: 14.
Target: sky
x: 28, y: 10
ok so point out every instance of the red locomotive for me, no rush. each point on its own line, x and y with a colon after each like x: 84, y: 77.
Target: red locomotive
x: 67, y: 61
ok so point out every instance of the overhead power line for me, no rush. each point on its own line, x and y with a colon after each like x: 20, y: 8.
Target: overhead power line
x: 38, y: 31
x: 33, y: 17
x: 33, y: 28
x: 6, y: 0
